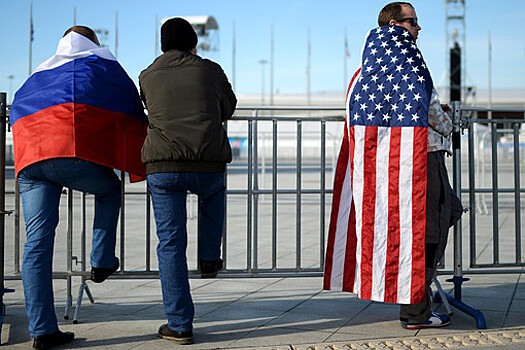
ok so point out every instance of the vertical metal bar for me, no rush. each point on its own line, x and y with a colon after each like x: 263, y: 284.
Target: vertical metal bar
x: 298, y: 197
x: 148, y: 229
x: 122, y: 219
x: 69, y: 257
x: 83, y: 233
x: 69, y: 238
x: 517, y: 193
x: 80, y: 294
x: 199, y: 218
x: 472, y: 193
x: 255, y: 195
x: 3, y: 115
x: 225, y: 224
x: 323, y: 193
x: 495, y: 209
x: 456, y: 169
x: 17, y: 226
x: 274, y: 194
x: 82, y: 257
x: 250, y: 194
x: 69, y: 300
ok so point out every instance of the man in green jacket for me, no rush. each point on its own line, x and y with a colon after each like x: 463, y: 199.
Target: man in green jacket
x: 188, y: 98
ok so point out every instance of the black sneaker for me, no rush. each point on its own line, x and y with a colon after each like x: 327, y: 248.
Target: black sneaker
x: 181, y: 338
x: 209, y: 268
x: 100, y: 274
x: 48, y: 341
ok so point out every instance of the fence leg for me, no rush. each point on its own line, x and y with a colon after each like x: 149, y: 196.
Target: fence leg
x: 79, y: 301
x: 83, y: 287
x: 441, y: 297
x: 478, y: 315
x: 88, y: 293
x: 458, y: 278
x: 69, y: 300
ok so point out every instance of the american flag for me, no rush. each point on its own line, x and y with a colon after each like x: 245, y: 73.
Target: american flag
x: 377, y: 229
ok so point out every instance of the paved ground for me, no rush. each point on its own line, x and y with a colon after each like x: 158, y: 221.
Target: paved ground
x: 285, y: 313
x: 271, y: 313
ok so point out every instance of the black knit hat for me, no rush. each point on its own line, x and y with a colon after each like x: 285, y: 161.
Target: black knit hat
x: 177, y: 34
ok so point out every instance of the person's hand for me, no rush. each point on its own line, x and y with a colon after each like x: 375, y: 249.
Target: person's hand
x: 446, y: 108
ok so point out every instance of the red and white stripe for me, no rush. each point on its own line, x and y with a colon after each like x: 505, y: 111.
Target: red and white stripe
x: 377, y: 229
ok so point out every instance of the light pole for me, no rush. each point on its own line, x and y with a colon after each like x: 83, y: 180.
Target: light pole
x: 262, y: 62
x: 308, y: 56
x: 11, y: 77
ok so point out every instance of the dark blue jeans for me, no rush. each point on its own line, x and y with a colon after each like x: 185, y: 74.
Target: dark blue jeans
x: 168, y: 193
x: 41, y: 187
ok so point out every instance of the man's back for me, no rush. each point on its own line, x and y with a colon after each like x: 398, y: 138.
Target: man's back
x: 188, y: 98
x: 79, y: 103
x: 76, y: 117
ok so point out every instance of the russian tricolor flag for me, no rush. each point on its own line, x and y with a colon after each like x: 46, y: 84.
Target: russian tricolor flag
x: 79, y: 103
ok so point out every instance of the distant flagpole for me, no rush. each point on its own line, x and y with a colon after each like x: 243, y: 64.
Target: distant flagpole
x: 156, y: 36
x: 30, y: 37
x: 271, y: 65
x: 489, y: 71
x: 345, y: 73
x: 308, y: 54
x: 116, y: 34
x: 233, y: 55
x: 74, y: 15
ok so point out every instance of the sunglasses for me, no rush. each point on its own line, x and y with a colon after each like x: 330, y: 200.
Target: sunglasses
x: 413, y: 21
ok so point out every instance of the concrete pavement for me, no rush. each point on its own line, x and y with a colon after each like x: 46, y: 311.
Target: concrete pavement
x: 271, y: 313
x: 268, y: 313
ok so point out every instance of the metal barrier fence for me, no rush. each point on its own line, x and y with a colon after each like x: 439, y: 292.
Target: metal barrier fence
x: 502, y: 195
x: 252, y: 194
x: 276, y: 210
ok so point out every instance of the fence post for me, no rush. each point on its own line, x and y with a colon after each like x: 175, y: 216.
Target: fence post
x: 456, y: 183
x: 3, y: 117
x: 3, y: 102
x: 458, y: 278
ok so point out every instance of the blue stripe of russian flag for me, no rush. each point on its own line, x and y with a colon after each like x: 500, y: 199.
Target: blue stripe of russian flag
x: 90, y: 80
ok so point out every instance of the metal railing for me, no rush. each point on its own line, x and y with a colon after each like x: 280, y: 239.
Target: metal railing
x: 504, y: 182
x: 258, y: 242
x: 255, y: 197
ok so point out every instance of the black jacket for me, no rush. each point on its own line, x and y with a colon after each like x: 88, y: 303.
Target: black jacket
x: 188, y: 98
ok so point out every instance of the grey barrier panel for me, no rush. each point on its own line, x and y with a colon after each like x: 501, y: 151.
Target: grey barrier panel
x: 254, y: 191
x: 496, y: 265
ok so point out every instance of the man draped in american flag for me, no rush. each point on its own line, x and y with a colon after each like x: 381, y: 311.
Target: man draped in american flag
x: 391, y: 206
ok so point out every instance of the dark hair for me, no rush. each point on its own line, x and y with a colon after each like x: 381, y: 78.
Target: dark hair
x: 85, y: 31
x: 391, y: 11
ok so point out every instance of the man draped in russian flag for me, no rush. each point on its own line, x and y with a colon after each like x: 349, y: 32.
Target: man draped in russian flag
x: 75, y: 119
x: 392, y: 203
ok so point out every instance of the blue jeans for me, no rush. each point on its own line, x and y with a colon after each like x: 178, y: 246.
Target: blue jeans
x: 41, y: 187
x: 168, y: 193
